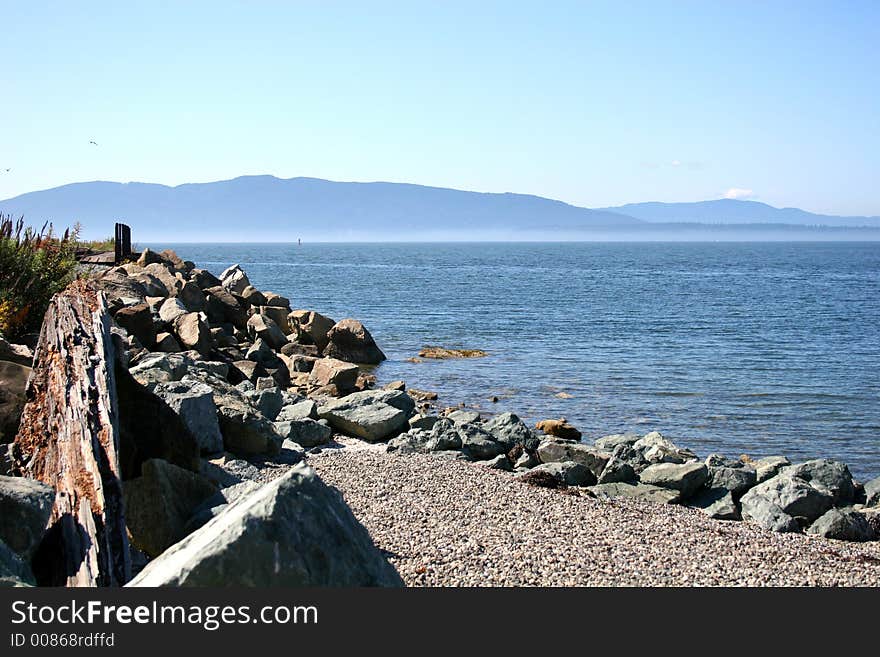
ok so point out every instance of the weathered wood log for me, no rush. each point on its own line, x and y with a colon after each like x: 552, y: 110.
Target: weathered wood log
x: 69, y: 439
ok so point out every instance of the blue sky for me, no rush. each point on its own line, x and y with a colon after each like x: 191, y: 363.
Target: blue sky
x: 594, y: 103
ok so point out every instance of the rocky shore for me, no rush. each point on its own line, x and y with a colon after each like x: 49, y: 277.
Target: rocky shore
x: 229, y: 401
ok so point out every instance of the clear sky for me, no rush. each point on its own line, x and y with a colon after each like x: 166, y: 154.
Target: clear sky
x: 594, y: 103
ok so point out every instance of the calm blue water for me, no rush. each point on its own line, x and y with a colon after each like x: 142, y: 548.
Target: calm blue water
x: 736, y: 348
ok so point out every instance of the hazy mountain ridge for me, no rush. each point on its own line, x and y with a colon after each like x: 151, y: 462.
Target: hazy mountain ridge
x: 729, y: 211
x: 266, y: 208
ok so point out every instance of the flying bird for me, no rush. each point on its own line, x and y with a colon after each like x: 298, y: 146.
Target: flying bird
x: 94, y: 142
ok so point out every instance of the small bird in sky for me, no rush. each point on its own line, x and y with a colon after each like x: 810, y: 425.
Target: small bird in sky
x: 94, y: 142
x: 8, y: 170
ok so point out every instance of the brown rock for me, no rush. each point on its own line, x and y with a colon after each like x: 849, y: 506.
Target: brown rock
x: 262, y: 326
x: 348, y: 340
x: 277, y: 315
x: 559, y: 428
x: 13, y: 379
x: 167, y: 343
x: 444, y: 353
x: 314, y: 325
x: 193, y: 333
x: 329, y: 371
x: 138, y: 321
x: 221, y: 307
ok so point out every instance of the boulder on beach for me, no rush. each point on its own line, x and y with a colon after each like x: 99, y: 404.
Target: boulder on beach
x: 509, y: 429
x: 565, y: 473
x: 842, y: 525
x: 350, y: 341
x: 25, y: 507
x: 305, y: 431
x: 331, y: 371
x: 314, y: 325
x: 686, y: 478
x: 645, y: 492
x: 373, y: 421
x: 554, y: 450
x: 477, y: 443
x: 777, y: 503
x: 295, y: 531
x: 658, y: 449
x: 193, y: 401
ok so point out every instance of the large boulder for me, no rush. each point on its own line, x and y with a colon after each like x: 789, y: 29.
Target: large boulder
x: 301, y: 410
x: 25, y: 507
x: 623, y: 466
x: 348, y: 340
x: 443, y: 436
x: 305, y: 431
x: 14, y: 570
x: 658, y: 449
x: 842, y: 525
x: 717, y: 503
x: 193, y: 401
x: 193, y: 333
x: 221, y: 307
x: 737, y: 480
x: 554, y: 451
x: 567, y: 473
x: 295, y: 531
x: 768, y: 467
x: 245, y: 431
x: 117, y: 284
x: 776, y: 503
x: 278, y: 315
x: 171, y: 309
x: 262, y: 326
x: 827, y: 476
x: 478, y: 444
x: 160, y: 502
x: 234, y: 279
x: 13, y: 380
x: 686, y: 478
x: 872, y: 493
x: 330, y: 371
x: 192, y: 297
x: 314, y: 325
x: 373, y: 421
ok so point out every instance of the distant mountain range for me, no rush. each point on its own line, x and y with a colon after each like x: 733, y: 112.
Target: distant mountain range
x: 265, y: 208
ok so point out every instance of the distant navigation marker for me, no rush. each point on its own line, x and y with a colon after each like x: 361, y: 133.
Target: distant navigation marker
x: 299, y: 241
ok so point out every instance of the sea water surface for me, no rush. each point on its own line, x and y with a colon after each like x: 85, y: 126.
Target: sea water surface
x: 755, y: 348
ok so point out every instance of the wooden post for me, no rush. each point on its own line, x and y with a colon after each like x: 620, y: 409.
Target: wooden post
x: 69, y: 439
x: 122, y: 242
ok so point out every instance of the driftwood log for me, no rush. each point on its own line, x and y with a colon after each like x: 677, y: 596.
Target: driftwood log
x: 69, y: 439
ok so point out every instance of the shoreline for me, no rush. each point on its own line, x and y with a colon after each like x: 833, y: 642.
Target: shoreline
x: 244, y: 390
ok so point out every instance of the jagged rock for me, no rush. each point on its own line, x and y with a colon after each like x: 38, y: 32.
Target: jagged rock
x: 167, y: 343
x: 295, y: 531
x: 554, y: 450
x: 443, y: 436
x: 159, y: 503
x: 508, y: 429
x: 253, y: 296
x: 398, y: 385
x: 314, y: 325
x: 301, y: 410
x: 117, y: 284
x: 621, y: 467
x: 349, y: 341
x: 775, y: 503
x: 291, y: 452
x: 192, y: 297
x: 644, y: 492
x: 153, y: 286
x: 268, y: 401
x: 221, y: 307
x: 171, y: 309
x: 25, y: 507
x: 306, y: 432
x: 717, y: 503
x: 768, y: 467
x: 526, y: 461
x: 261, y: 352
x: 13, y: 380
x: 658, y: 449
x: 842, y: 525
x: 463, y: 416
x: 234, y: 279
x: 414, y: 440
x: 477, y: 443
x: 261, y: 326
x: 559, y: 428
x: 245, y: 431
x: 149, y: 257
x: 204, y: 279
x: 163, y: 273
x: 330, y: 371
x: 193, y: 333
x: 246, y: 370
x: 138, y: 321
x: 567, y: 473
x: 193, y: 401
x: 500, y: 462
x: 735, y: 479
x: 372, y: 421
x: 16, y: 353
x: 687, y: 478
x: 299, y: 349
x: 827, y: 476
x: 277, y: 315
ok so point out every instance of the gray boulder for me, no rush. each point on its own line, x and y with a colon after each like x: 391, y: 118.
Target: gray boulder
x: 193, y: 401
x: 612, y: 441
x: 234, y: 279
x: 443, y: 436
x: 842, y: 525
x: 25, y: 507
x: 554, y: 450
x: 768, y: 467
x: 623, y: 466
x: 735, y: 479
x: 568, y: 473
x: 14, y: 571
x: 464, y: 416
x: 160, y: 502
x: 171, y: 309
x: 306, y: 432
x: 268, y: 401
x: 303, y: 410
x: 510, y: 430
x: 687, y: 478
x: 294, y: 532
x: 658, y: 449
x: 644, y: 492
x: 827, y: 476
x: 477, y: 443
x: 244, y: 429
x: 193, y: 333
x: 426, y: 422
x: 411, y: 442
x: 371, y: 421
x: 717, y: 503
x: 786, y: 494
x: 500, y: 462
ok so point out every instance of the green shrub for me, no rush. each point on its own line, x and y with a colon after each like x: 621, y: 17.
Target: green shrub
x: 34, y: 265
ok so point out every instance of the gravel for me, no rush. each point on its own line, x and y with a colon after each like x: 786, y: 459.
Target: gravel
x: 445, y: 522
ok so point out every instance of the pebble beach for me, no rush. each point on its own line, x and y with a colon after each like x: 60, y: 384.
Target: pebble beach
x: 445, y: 522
